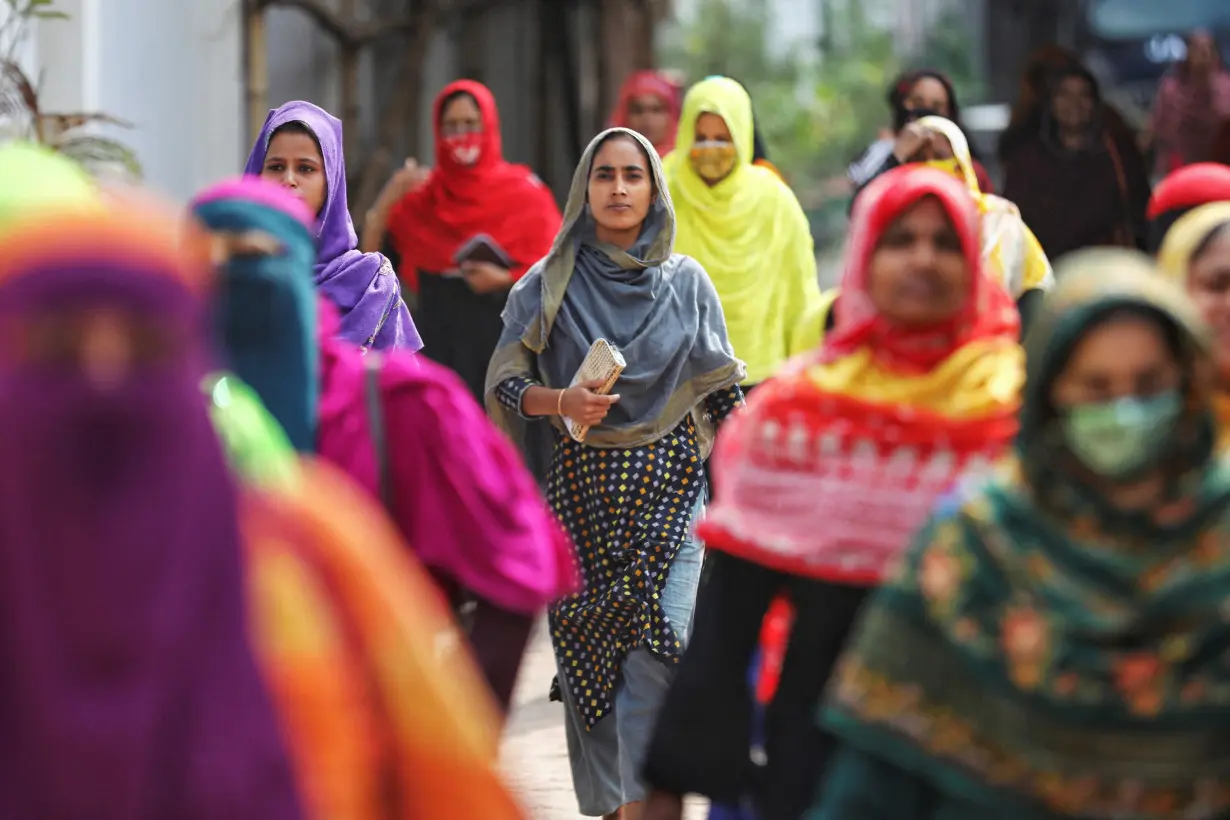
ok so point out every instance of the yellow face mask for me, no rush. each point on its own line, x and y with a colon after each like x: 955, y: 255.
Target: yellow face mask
x: 713, y: 161
x: 950, y: 166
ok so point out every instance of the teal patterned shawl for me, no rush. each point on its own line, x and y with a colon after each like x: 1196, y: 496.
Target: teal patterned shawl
x: 1035, y: 653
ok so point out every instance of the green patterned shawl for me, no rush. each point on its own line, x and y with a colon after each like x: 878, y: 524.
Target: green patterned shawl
x: 1044, y: 656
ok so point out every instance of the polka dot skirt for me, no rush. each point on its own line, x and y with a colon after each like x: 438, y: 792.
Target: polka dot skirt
x: 628, y: 512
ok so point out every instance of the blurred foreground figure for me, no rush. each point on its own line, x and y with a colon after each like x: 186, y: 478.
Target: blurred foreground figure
x: 1196, y: 255
x: 1053, y: 644
x: 821, y: 482
x: 375, y: 712
x: 1185, y: 189
x: 402, y: 427
x: 128, y: 686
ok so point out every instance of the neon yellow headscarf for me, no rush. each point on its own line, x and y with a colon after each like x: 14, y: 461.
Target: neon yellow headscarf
x: 748, y: 232
x: 33, y: 177
x: 1011, y: 251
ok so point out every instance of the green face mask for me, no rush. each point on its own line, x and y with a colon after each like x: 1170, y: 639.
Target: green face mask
x: 1120, y: 438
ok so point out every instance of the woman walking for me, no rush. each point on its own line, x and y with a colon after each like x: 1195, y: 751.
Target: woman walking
x: 628, y: 492
x: 1051, y: 646
x: 433, y: 217
x: 743, y: 224
x: 403, y: 428
x: 822, y: 479
x: 300, y: 148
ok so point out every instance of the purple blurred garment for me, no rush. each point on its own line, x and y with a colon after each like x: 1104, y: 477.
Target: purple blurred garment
x: 363, y: 286
x: 128, y: 686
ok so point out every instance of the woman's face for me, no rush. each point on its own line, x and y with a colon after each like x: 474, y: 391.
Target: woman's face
x: 713, y: 154
x: 650, y: 116
x: 293, y: 161
x: 620, y: 191
x: 103, y: 345
x: 1201, y: 53
x: 936, y: 148
x: 461, y: 129
x: 1119, y: 358
x: 1208, y: 283
x: 1072, y: 104
x: 929, y: 94
x: 918, y: 274
x: 461, y: 116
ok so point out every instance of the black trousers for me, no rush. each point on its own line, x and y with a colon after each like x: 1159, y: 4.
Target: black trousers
x: 703, y: 738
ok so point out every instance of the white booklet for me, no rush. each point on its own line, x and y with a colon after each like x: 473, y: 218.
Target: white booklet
x: 603, y: 363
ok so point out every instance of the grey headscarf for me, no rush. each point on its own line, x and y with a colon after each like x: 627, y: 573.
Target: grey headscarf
x: 658, y: 308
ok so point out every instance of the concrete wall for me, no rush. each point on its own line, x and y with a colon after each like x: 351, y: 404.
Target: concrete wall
x: 172, y: 69
x: 303, y: 65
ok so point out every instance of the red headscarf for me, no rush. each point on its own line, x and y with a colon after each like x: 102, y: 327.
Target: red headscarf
x: 825, y: 479
x: 649, y: 83
x: 504, y: 201
x: 989, y: 311
x: 1192, y: 185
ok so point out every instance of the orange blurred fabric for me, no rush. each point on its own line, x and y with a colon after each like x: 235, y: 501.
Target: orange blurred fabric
x: 386, y: 713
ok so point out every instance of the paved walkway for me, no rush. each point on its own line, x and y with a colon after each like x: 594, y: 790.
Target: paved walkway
x: 535, y: 755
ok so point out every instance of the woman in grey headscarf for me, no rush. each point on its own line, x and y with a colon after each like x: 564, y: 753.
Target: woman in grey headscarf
x: 628, y: 493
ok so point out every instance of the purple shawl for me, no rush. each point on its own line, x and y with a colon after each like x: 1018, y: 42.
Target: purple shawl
x: 362, y: 285
x: 128, y: 686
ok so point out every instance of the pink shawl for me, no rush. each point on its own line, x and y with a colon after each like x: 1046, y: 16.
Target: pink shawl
x: 460, y: 494
x: 1188, y: 117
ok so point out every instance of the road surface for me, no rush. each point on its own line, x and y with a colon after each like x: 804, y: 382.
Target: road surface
x: 535, y: 754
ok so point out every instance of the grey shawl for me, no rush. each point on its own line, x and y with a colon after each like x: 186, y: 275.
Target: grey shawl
x: 657, y: 307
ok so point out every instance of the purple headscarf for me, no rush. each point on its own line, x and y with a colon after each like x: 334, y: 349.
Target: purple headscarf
x: 362, y: 285
x: 128, y: 686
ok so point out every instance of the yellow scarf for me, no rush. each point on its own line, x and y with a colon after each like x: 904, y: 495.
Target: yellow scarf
x: 748, y: 232
x: 978, y: 379
x: 1187, y: 234
x: 1011, y: 251
x: 1175, y: 257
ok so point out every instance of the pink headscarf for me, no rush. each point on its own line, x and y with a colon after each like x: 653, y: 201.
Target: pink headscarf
x: 650, y: 83
x: 1188, y: 113
x: 461, y: 496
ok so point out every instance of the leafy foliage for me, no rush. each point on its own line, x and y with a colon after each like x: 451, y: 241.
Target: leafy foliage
x: 815, y: 115
x: 74, y: 134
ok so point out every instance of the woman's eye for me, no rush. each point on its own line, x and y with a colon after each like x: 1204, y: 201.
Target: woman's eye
x: 306, y: 169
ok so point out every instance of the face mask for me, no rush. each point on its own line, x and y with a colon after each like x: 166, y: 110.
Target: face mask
x: 713, y: 161
x: 1121, y: 438
x: 950, y: 166
x: 465, y: 149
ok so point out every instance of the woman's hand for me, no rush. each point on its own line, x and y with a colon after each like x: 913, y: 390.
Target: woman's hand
x: 911, y: 139
x: 486, y: 277
x: 584, y: 406
x: 410, y: 177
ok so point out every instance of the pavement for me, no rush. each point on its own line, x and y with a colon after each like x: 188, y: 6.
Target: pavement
x: 534, y: 756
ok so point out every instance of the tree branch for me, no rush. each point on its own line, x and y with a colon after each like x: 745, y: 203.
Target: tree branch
x: 348, y: 33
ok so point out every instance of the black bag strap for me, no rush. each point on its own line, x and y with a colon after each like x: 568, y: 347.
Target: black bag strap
x: 372, y: 364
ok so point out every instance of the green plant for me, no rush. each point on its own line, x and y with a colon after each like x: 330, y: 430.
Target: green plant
x: 73, y: 134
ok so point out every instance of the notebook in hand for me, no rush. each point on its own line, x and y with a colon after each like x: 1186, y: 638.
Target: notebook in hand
x: 482, y: 248
x: 603, y: 363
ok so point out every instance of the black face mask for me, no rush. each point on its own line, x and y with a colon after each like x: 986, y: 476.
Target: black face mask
x: 903, y: 116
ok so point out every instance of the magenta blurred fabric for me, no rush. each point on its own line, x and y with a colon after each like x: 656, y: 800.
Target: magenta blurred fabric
x: 461, y: 495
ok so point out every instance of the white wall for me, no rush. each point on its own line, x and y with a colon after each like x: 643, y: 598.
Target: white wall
x: 173, y: 68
